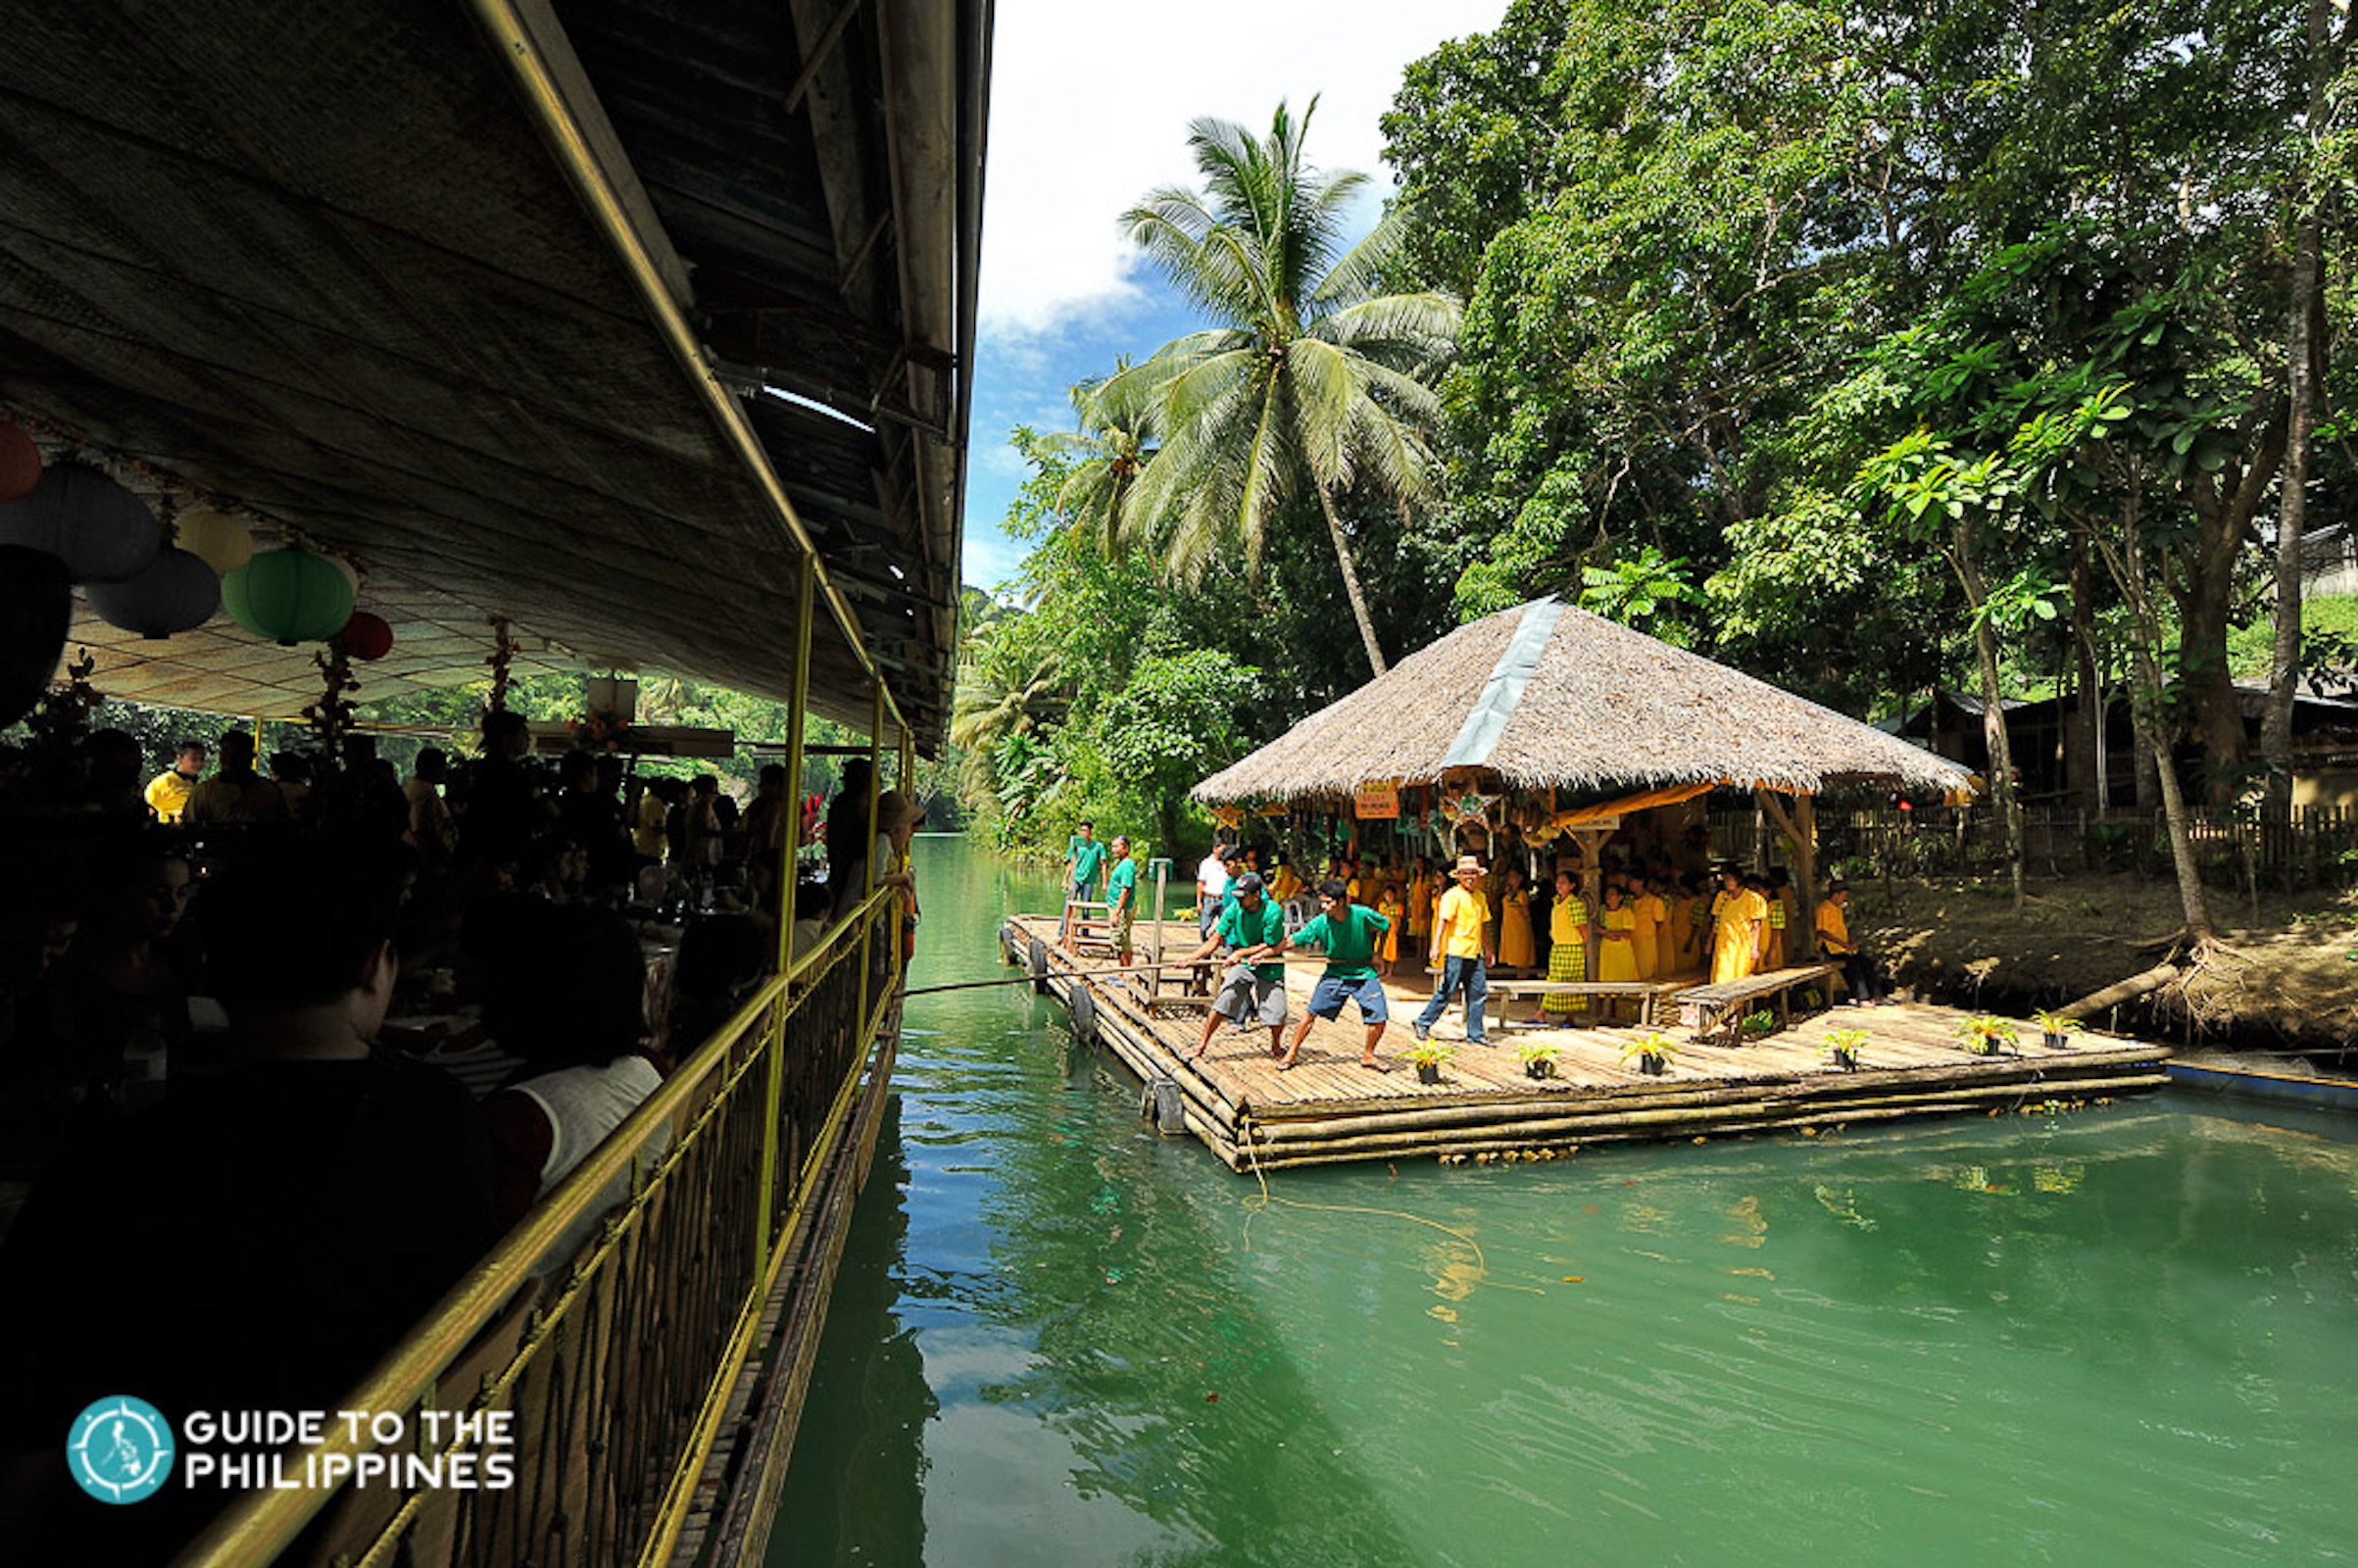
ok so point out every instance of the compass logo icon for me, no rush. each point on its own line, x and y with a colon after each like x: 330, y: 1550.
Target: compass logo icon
x: 121, y: 1449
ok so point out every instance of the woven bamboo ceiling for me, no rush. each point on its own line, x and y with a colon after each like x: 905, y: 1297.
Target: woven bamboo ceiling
x: 319, y: 262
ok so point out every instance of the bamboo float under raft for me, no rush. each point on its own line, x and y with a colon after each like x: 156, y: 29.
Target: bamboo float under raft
x: 1329, y: 1108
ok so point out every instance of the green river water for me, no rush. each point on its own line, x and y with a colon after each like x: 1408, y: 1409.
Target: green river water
x: 2120, y: 1336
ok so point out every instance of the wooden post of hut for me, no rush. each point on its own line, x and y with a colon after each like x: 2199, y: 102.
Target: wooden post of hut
x: 1800, y: 825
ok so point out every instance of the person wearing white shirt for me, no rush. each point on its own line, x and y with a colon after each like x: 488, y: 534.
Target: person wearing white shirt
x: 1211, y: 886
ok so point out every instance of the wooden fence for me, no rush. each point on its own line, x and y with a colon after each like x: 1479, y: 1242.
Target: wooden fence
x: 2318, y: 846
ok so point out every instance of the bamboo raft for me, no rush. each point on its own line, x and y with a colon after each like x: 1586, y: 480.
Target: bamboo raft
x: 1329, y: 1108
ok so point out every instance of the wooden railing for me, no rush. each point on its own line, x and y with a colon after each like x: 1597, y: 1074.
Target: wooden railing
x: 610, y: 1359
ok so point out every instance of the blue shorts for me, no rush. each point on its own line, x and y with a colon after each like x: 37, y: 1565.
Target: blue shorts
x: 1329, y: 995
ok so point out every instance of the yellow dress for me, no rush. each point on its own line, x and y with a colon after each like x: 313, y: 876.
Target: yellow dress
x: 1517, y: 950
x: 1652, y: 914
x: 1420, y: 907
x: 1387, y: 946
x: 1618, y: 959
x: 1568, y: 957
x: 1735, y: 918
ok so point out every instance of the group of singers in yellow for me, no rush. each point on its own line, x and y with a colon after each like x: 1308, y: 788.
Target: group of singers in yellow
x: 1649, y: 926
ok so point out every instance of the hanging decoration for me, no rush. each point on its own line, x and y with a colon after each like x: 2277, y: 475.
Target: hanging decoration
x: 176, y: 593
x: 100, y: 530
x: 20, y: 464
x: 289, y: 596
x: 368, y: 637
x: 63, y: 720
x: 36, y: 607
x: 1228, y: 816
x: 215, y: 538
x: 331, y: 717
x: 502, y: 653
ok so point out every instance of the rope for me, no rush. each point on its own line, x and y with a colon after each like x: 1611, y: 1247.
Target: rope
x: 1253, y: 1205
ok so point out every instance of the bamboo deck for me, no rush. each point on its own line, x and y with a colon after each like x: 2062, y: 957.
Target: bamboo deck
x: 1329, y: 1108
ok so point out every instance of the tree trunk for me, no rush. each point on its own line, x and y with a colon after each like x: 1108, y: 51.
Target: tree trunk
x: 2149, y: 720
x: 1351, y: 582
x: 2308, y: 298
x: 2083, y: 738
x: 1993, y: 709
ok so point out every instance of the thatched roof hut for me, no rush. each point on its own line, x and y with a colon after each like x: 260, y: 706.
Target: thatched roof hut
x: 1548, y: 696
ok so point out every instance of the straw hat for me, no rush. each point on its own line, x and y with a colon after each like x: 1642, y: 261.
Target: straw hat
x: 1469, y: 862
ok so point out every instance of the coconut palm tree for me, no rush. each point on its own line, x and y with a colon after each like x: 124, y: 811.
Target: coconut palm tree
x: 1112, y: 447
x: 1313, y: 379
x: 1001, y: 695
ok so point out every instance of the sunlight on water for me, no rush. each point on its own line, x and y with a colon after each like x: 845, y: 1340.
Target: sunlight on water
x: 2114, y: 1337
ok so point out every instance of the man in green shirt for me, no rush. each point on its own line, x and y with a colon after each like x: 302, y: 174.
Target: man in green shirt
x: 1082, y: 859
x: 1253, y: 929
x: 1121, y: 892
x: 1347, y: 932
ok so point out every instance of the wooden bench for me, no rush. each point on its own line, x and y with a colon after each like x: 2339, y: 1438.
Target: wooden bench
x: 1501, y: 991
x: 1720, y: 1008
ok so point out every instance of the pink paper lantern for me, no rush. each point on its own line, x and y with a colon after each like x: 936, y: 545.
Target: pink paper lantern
x: 368, y: 637
x: 20, y: 464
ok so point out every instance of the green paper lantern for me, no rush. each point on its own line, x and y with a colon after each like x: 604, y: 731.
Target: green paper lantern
x: 289, y: 596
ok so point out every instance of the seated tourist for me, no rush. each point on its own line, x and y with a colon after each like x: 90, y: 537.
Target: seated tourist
x: 570, y: 1000
x: 260, y: 1240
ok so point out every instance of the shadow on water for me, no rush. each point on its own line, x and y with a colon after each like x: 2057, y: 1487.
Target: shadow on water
x: 1036, y: 1333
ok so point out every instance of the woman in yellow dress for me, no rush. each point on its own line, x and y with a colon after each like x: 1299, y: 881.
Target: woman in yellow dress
x: 1616, y: 939
x: 1420, y: 903
x: 1568, y: 951
x: 1517, y: 950
x: 1738, y: 929
x: 1667, y: 940
x: 1395, y: 909
x: 1652, y: 915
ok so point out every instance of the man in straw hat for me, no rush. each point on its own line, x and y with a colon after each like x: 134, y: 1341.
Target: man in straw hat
x: 1253, y: 929
x: 1463, y: 945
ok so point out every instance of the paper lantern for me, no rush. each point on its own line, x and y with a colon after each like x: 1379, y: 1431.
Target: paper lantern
x: 368, y: 637
x: 36, y: 607
x: 179, y: 592
x: 100, y: 530
x: 214, y: 538
x: 20, y: 464
x: 289, y: 596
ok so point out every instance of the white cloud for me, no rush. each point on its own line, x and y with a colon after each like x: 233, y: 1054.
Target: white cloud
x: 1090, y: 105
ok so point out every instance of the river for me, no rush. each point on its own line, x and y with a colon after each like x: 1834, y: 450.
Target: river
x: 2114, y: 1336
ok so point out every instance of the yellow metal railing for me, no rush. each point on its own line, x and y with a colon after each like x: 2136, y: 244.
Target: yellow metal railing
x: 617, y: 1360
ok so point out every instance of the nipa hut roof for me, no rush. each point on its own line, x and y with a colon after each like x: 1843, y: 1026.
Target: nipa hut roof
x: 1548, y: 695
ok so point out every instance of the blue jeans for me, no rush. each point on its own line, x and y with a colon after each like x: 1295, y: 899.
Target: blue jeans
x: 1469, y: 973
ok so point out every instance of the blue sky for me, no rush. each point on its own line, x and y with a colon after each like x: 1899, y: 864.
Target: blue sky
x: 1089, y: 110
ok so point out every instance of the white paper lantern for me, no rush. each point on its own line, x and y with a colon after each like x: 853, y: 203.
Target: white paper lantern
x: 179, y: 592
x: 100, y: 530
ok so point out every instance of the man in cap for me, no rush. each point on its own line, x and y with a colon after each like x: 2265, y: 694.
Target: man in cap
x: 1253, y: 930
x: 1121, y: 894
x: 1463, y: 945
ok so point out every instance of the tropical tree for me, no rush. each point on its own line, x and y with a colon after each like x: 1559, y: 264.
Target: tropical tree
x: 1112, y: 447
x: 1312, y: 381
x: 1005, y: 692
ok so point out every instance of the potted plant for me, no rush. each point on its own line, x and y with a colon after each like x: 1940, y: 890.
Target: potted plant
x: 1757, y: 1025
x: 1430, y: 1056
x: 1539, y: 1059
x: 1652, y: 1054
x: 1986, y: 1035
x: 1843, y: 1047
x: 2056, y: 1031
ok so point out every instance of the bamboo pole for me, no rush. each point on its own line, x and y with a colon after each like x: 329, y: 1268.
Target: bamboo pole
x: 798, y: 716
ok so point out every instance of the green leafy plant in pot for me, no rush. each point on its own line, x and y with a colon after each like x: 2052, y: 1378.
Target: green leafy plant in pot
x: 2056, y: 1031
x: 1842, y: 1048
x: 1652, y: 1055
x: 1429, y: 1057
x: 1757, y: 1025
x: 1539, y: 1059
x: 1988, y: 1035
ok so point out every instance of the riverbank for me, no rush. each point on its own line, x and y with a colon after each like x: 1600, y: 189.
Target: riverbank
x: 2288, y: 979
